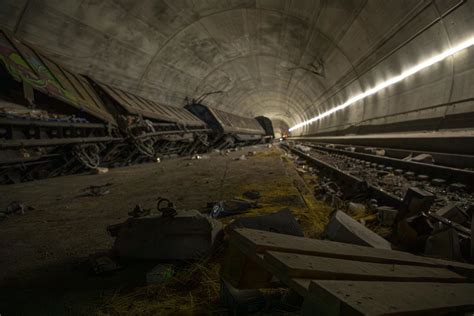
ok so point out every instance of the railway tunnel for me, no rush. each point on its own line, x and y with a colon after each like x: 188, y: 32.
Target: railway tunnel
x: 237, y: 157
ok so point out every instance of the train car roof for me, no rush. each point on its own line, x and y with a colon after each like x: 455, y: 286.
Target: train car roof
x: 28, y: 65
x: 142, y: 106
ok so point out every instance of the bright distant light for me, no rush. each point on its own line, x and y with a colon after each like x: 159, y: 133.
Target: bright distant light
x: 389, y: 82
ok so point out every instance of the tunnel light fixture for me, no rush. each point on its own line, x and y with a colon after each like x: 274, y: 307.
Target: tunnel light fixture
x: 413, y: 70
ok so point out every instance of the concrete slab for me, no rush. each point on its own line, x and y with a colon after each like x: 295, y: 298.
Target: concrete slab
x: 344, y: 228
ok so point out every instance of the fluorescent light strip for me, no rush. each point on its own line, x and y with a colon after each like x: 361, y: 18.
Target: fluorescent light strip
x: 389, y: 82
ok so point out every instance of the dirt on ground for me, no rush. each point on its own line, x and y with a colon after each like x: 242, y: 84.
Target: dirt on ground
x: 44, y: 252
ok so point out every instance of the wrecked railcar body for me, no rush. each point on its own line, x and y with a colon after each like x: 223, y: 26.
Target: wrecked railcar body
x: 228, y: 129
x: 51, y: 120
x: 54, y: 121
x: 153, y: 129
x: 267, y: 125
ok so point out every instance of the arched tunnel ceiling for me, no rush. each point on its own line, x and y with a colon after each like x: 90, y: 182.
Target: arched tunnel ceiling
x: 271, y: 57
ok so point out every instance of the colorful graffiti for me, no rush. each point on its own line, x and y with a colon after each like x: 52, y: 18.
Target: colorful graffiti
x: 25, y: 67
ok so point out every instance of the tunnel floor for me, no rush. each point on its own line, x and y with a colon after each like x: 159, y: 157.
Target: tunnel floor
x: 45, y: 251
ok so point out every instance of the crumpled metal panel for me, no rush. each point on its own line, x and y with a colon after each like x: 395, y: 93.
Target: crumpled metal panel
x: 30, y: 66
x: 141, y: 106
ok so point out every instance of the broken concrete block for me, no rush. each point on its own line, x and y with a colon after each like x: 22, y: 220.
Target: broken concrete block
x: 453, y: 213
x: 160, y: 274
x: 188, y: 235
x: 444, y: 244
x: 413, y: 231
x: 241, y: 302
x: 417, y: 200
x: 344, y: 228
x: 282, y: 222
x: 386, y: 215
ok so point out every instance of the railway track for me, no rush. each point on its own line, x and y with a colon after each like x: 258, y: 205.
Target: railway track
x: 387, y: 180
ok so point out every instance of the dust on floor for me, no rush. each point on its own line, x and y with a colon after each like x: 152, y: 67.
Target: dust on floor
x: 48, y: 246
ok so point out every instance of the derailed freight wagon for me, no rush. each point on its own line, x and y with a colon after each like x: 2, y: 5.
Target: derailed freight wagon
x: 267, y: 125
x: 153, y: 129
x: 227, y: 129
x: 52, y: 121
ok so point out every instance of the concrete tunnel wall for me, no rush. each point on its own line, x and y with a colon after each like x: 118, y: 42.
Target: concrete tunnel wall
x: 288, y: 60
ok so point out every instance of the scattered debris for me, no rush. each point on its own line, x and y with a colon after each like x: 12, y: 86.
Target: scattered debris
x: 444, y: 244
x: 100, y: 170
x: 380, y: 152
x: 139, y: 211
x: 357, y: 209
x: 453, y: 213
x: 417, y: 200
x: 425, y: 158
x: 251, y: 153
x: 168, y: 210
x: 97, y: 190
x: 160, y: 273
x: 252, y: 194
x: 243, y: 157
x: 15, y: 207
x: 344, y: 228
x: 386, y: 215
x: 413, y: 231
x: 282, y: 222
x: 231, y: 207
x: 303, y: 148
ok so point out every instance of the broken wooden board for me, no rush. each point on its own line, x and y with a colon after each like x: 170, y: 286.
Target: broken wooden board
x: 387, y: 298
x: 289, y: 265
x: 251, y: 241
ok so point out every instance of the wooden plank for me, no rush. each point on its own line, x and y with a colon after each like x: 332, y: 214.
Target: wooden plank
x: 321, y: 268
x: 388, y: 298
x: 252, y: 241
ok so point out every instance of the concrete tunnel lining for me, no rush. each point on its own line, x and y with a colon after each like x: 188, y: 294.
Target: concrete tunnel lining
x: 170, y: 50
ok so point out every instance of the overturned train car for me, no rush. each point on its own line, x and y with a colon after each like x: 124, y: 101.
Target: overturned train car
x: 267, y: 125
x: 227, y: 129
x: 52, y: 121
x: 150, y: 129
x: 55, y: 122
